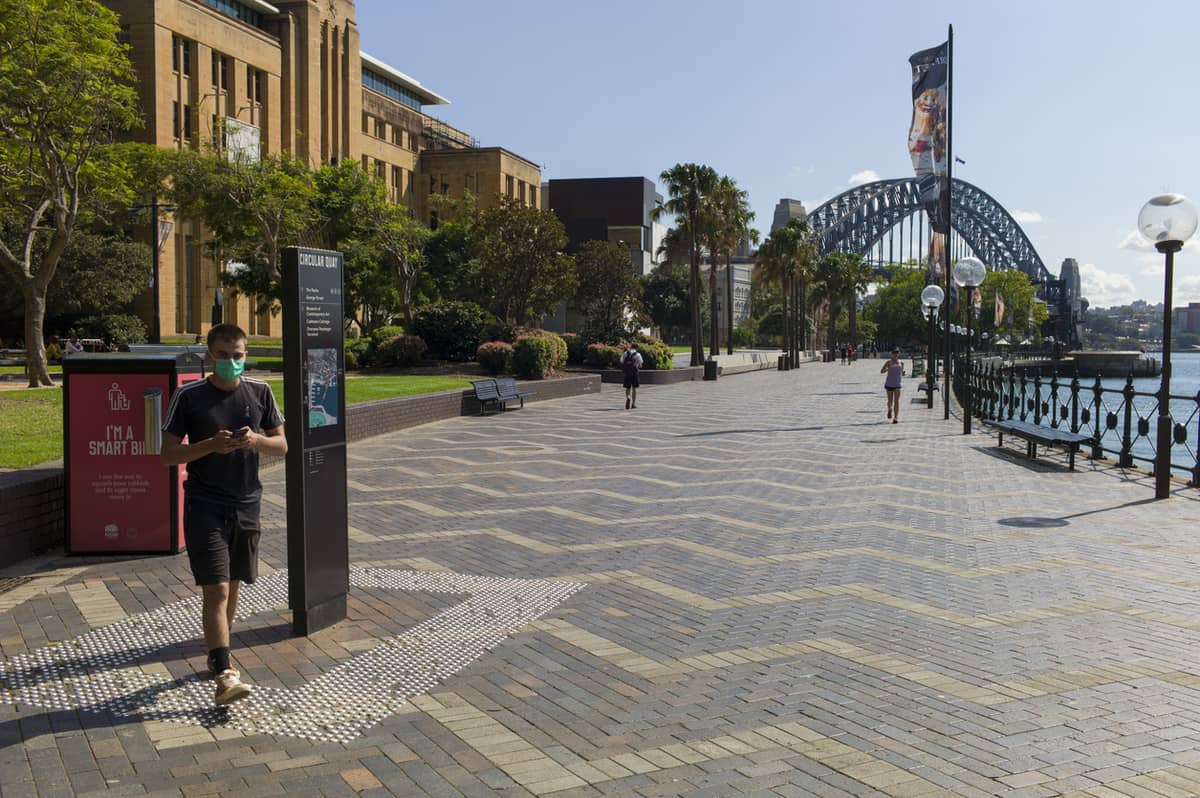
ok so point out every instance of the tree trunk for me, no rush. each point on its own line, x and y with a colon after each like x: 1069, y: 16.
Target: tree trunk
x: 803, y: 319
x: 696, y: 332
x: 785, y: 342
x: 797, y: 317
x: 714, y: 343
x: 853, y: 321
x: 406, y: 281
x: 728, y: 304
x: 35, y: 345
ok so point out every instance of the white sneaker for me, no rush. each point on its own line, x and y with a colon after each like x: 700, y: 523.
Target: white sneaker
x: 230, y: 687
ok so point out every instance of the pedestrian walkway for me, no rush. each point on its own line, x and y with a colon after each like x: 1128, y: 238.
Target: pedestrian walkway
x: 755, y: 586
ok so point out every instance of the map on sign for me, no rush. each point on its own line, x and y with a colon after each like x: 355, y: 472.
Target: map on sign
x: 323, y: 387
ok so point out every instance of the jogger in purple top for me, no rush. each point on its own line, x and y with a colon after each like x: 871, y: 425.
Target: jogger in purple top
x: 894, y: 369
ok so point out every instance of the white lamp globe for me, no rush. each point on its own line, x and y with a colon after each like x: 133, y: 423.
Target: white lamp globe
x: 969, y: 272
x: 932, y: 296
x: 1167, y: 218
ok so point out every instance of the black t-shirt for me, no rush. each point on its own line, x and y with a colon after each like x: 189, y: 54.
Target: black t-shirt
x: 198, y: 411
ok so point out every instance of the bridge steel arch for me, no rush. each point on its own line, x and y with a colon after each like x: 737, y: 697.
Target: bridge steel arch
x: 856, y: 220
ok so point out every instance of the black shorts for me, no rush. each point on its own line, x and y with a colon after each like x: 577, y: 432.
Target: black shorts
x: 222, y: 541
x: 889, y: 390
x: 631, y: 381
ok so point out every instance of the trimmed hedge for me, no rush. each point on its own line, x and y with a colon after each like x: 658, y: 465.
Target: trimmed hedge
x: 655, y: 353
x: 538, y: 354
x: 603, y: 356
x: 402, y: 351
x: 453, y: 330
x: 496, y: 357
x: 576, y: 348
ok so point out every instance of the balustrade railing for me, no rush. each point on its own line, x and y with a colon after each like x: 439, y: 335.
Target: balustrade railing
x: 1121, y: 421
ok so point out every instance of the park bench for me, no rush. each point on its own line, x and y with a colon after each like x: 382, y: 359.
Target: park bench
x: 1033, y: 434
x: 488, y: 395
x: 508, y: 390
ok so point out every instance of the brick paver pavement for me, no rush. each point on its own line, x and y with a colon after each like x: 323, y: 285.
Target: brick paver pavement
x: 782, y: 594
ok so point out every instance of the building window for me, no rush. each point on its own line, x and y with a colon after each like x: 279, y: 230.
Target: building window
x: 508, y: 186
x: 175, y: 119
x: 521, y: 190
x: 398, y: 136
x: 366, y: 123
x: 216, y: 68
x: 187, y: 122
x: 380, y: 129
x: 366, y: 163
x: 380, y: 169
x: 397, y: 182
x: 432, y: 184
x: 408, y: 188
x: 389, y: 88
x: 469, y: 181
x: 174, y: 53
x: 186, y: 51
x: 533, y: 195
x: 237, y: 11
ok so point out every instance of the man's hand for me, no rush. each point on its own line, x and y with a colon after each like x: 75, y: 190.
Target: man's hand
x: 223, y: 442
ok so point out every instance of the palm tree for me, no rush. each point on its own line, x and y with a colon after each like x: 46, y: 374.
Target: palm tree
x: 733, y: 219
x: 688, y: 184
x: 798, y: 247
x: 769, y: 268
x: 831, y: 291
x: 858, y: 276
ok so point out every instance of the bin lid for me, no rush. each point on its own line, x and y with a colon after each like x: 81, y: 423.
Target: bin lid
x: 130, y: 362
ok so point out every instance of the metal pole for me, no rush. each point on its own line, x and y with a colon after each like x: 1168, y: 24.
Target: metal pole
x: 949, y: 204
x: 1162, y: 458
x: 155, y: 244
x: 967, y: 365
x: 930, y: 361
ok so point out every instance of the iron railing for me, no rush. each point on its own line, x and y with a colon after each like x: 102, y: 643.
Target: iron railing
x: 1121, y: 421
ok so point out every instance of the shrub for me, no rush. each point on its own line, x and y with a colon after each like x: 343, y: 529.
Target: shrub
x: 576, y: 348
x: 655, y: 353
x: 381, y: 335
x: 496, y: 357
x: 359, y: 347
x: 745, y: 333
x: 349, y: 359
x: 537, y: 354
x: 602, y: 356
x: 453, y: 330
x: 496, y: 330
x: 118, y: 328
x: 402, y: 351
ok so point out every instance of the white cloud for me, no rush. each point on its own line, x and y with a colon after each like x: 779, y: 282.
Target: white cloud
x: 1186, y: 290
x: 1134, y: 240
x: 1105, y: 289
x: 1027, y: 217
x: 865, y: 176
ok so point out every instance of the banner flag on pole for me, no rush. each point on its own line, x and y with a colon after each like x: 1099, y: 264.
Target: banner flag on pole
x: 927, y: 131
x: 999, y: 309
x: 977, y: 299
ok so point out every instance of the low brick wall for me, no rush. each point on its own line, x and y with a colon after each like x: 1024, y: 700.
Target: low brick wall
x: 655, y: 376
x: 32, y: 507
x: 32, y: 501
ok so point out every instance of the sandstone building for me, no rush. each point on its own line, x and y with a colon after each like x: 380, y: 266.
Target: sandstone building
x: 289, y: 76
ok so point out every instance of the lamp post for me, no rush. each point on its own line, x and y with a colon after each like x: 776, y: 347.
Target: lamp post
x: 1167, y: 220
x: 159, y: 230
x: 968, y: 273
x: 931, y: 300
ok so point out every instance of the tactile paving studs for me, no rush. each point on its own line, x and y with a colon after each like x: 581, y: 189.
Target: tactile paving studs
x: 98, y: 671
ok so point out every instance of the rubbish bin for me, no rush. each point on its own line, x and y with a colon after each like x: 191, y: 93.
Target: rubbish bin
x: 782, y: 363
x: 120, y: 498
x: 710, y: 369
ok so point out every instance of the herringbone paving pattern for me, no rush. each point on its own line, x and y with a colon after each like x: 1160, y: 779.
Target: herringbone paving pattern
x: 784, y: 595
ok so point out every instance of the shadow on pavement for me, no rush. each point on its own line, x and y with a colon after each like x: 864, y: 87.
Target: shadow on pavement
x: 1044, y: 522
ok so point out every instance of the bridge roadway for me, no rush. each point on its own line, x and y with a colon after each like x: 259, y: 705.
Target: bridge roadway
x: 757, y: 586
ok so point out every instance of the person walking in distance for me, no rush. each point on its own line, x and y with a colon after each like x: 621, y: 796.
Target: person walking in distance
x: 631, y: 364
x: 228, y: 420
x: 894, y: 369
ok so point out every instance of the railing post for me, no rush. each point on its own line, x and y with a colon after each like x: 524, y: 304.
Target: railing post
x: 1097, y: 401
x: 1196, y: 465
x: 1037, y: 397
x: 1054, y: 399
x: 1024, y: 384
x: 1075, y: 403
x: 1012, y: 392
x: 1127, y: 433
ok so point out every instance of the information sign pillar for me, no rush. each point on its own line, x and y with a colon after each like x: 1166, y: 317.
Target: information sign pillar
x: 314, y: 395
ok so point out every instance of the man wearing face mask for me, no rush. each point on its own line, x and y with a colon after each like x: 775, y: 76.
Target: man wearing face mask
x: 228, y: 419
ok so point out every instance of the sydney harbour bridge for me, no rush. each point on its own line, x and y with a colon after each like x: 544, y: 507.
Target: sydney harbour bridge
x: 871, y: 220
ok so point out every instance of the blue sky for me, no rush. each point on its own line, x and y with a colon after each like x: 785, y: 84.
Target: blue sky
x: 1070, y: 114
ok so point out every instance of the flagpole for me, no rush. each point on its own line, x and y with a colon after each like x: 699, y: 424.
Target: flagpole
x: 949, y: 205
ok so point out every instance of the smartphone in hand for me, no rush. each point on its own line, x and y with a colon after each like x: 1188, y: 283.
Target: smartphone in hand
x: 241, y: 433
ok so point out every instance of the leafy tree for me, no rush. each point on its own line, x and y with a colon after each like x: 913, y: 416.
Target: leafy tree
x: 788, y: 257
x: 449, y: 258
x: 727, y: 218
x: 688, y: 185
x: 666, y: 296
x: 523, y: 271
x: 253, y: 211
x: 98, y: 273
x: 610, y: 294
x: 1019, y: 296
x: 65, y: 92
x: 896, y: 309
x: 402, y: 239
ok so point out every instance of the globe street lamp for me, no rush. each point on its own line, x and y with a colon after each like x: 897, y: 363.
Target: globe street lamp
x: 931, y: 300
x: 968, y: 273
x: 1167, y: 221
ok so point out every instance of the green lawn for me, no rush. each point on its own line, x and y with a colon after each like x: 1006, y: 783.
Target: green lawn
x: 30, y: 426
x: 54, y: 369
x: 681, y: 349
x: 31, y: 420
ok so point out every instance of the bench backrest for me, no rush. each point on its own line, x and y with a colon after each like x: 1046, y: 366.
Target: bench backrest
x: 485, y: 389
x: 507, y: 387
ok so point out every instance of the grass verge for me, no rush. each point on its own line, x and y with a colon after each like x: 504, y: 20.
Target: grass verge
x: 31, y: 420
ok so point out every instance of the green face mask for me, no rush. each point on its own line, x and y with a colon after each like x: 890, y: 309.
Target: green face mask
x: 229, y: 370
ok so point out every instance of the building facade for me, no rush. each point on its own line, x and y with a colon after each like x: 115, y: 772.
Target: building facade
x: 288, y: 76
x: 616, y: 209
x: 786, y: 210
